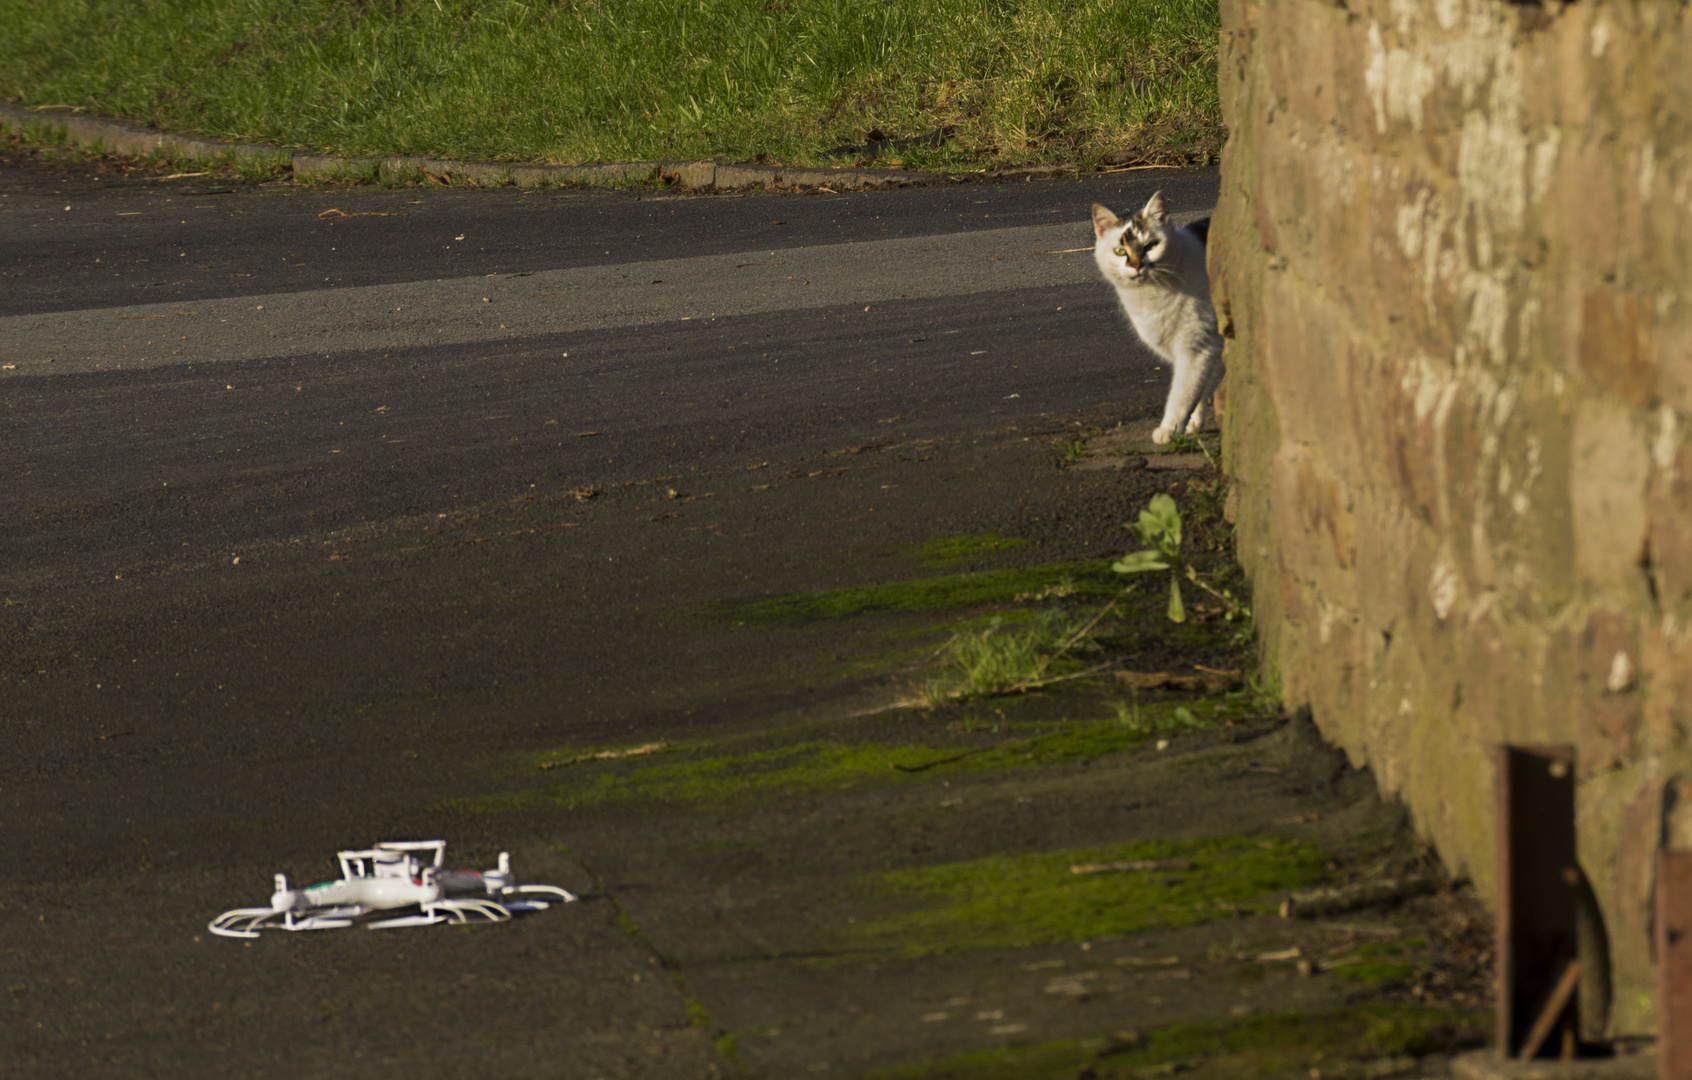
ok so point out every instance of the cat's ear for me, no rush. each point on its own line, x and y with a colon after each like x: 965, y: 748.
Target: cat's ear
x: 1156, y: 211
x: 1103, y: 219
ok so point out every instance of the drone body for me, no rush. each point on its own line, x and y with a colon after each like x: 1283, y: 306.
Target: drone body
x: 390, y: 877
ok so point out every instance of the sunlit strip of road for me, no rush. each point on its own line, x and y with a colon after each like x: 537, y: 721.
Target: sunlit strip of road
x: 490, y: 309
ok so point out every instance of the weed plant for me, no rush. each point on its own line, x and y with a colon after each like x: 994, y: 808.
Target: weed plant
x: 1163, y: 721
x: 1159, y: 528
x: 1183, y: 443
x: 1070, y: 451
x: 975, y: 84
x: 1003, y: 660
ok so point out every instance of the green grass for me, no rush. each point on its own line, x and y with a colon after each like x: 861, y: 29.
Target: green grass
x: 1183, y: 443
x: 1016, y: 900
x: 1013, y: 81
x: 997, y: 659
x: 1274, y: 1043
x: 1086, y: 578
x: 706, y: 774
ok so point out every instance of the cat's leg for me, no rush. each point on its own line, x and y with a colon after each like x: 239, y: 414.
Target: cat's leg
x: 1183, y: 392
x: 1210, y: 372
x: 1198, y: 368
x: 1196, y: 422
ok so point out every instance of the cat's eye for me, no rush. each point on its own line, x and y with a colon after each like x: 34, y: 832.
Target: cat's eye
x: 1120, y: 251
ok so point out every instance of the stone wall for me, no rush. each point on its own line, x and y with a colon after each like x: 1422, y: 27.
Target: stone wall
x: 1451, y: 259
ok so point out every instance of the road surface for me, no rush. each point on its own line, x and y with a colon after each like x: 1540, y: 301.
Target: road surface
x: 321, y: 503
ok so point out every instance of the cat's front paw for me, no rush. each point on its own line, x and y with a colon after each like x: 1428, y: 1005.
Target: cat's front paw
x: 1163, y: 435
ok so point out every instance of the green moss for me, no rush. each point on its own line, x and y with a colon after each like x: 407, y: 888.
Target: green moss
x: 697, y: 1014
x: 728, y: 1045
x: 1015, y: 616
x: 1392, y: 948
x: 949, y: 551
x: 719, y: 777
x: 1015, y: 900
x: 1378, y: 964
x: 1087, y: 578
x: 880, y: 662
x: 803, y: 766
x: 1376, y: 973
x: 1246, y: 1046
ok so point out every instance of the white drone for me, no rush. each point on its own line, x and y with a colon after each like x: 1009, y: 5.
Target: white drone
x: 391, y: 877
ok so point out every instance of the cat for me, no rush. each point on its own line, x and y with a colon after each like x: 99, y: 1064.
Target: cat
x: 1159, y: 275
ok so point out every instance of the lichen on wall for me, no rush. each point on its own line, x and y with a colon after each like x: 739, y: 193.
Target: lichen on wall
x: 1451, y: 260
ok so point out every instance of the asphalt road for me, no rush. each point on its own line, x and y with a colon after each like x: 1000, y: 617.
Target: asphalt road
x: 317, y: 500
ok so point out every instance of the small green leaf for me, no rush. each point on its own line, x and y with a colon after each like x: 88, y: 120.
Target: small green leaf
x: 1139, y: 562
x: 1167, y: 518
x: 1177, y: 613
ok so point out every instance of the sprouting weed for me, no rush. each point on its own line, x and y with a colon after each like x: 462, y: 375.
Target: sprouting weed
x: 1159, y: 529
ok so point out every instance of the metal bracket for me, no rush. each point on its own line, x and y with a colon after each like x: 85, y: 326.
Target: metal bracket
x: 1674, y: 964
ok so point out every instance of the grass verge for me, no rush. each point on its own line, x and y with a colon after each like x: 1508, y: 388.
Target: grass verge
x: 1018, y: 900
x: 949, y: 84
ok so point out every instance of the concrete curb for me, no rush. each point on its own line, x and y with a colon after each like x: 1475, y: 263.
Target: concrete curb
x: 120, y: 137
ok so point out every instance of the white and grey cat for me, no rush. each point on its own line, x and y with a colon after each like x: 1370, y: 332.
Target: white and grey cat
x: 1159, y: 275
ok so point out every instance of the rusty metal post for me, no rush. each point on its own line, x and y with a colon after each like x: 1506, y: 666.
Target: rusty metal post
x: 1537, y: 889
x: 1674, y: 964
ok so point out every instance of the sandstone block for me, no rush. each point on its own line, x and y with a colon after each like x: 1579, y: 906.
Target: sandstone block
x: 1607, y: 485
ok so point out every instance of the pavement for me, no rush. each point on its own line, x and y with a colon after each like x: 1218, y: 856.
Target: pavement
x: 289, y: 571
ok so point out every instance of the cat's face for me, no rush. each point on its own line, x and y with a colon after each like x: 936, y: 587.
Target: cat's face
x: 1130, y: 250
